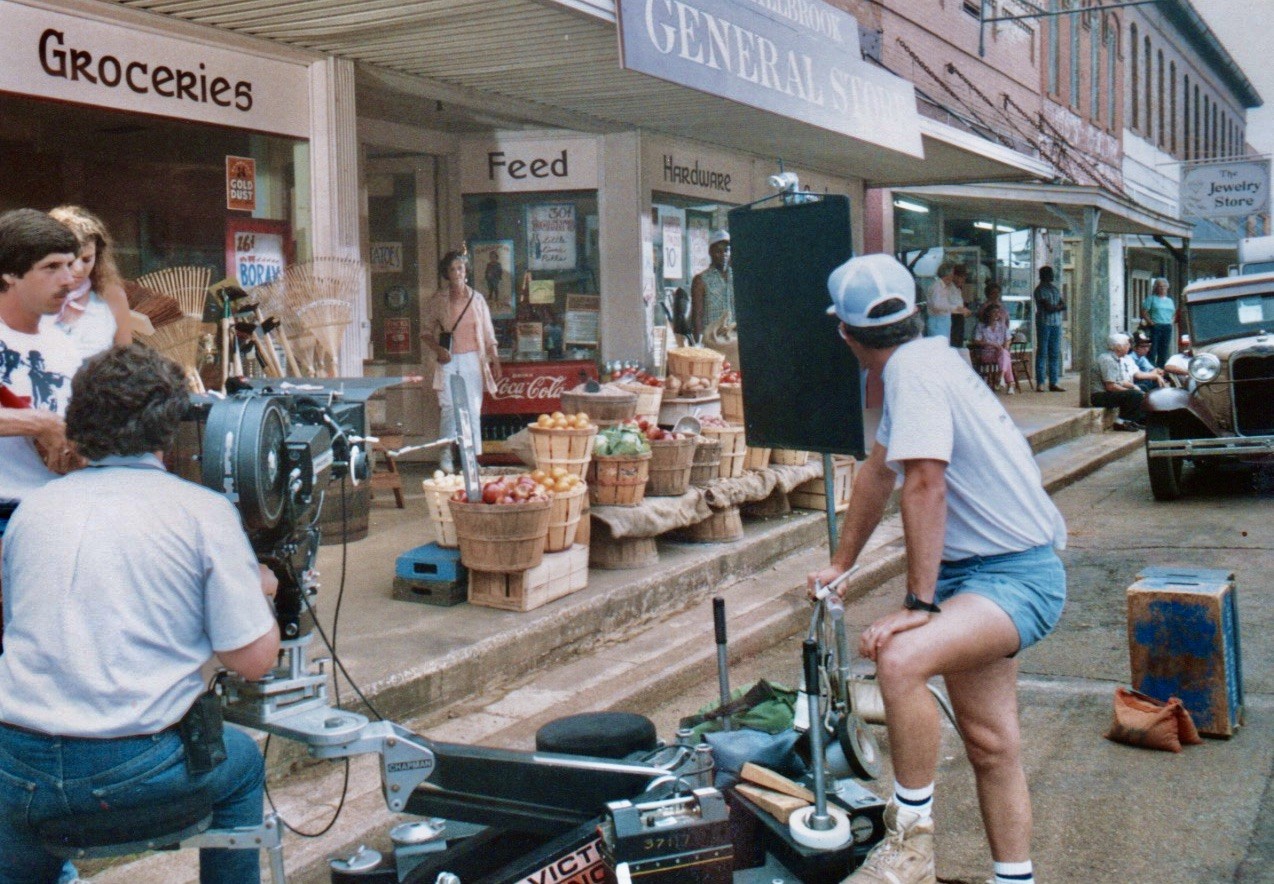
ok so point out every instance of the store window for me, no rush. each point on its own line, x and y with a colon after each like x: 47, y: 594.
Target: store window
x: 160, y: 185
x: 536, y: 258
x: 682, y: 227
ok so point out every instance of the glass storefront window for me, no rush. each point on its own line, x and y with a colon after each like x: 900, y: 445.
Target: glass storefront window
x: 158, y: 184
x: 681, y: 228
x: 536, y: 259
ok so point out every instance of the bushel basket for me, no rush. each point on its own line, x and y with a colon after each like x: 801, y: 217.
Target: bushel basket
x: 618, y: 480
x: 569, y: 449
x: 501, y: 537
x: 671, y: 462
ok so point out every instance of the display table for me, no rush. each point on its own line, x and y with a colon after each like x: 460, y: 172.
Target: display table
x: 624, y: 536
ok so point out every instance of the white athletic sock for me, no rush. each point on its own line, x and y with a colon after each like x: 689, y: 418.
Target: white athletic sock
x: 1014, y: 873
x: 915, y: 800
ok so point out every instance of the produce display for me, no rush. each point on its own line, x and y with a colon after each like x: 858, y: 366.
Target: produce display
x: 518, y: 488
x: 631, y: 373
x: 656, y: 433
x: 729, y: 375
x: 693, y: 372
x: 441, y: 481
x: 559, y: 421
x: 714, y: 420
x: 556, y: 480
x: 622, y: 439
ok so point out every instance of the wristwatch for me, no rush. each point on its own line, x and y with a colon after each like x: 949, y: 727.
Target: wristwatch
x: 911, y: 603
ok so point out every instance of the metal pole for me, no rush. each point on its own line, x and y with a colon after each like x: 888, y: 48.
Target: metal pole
x: 829, y: 500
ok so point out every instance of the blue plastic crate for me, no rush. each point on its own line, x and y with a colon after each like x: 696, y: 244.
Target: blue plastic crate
x: 430, y: 562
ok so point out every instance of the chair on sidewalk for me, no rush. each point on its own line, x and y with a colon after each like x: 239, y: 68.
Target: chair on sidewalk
x: 1021, y: 356
x: 169, y: 826
x: 988, y: 370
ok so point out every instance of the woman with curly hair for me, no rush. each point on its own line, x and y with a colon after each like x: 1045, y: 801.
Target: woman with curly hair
x: 95, y: 315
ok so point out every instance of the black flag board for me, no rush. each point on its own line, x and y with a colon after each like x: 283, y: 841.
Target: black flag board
x: 801, y: 384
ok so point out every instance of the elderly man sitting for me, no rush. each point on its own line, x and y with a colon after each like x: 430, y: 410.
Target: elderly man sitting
x: 1117, y: 379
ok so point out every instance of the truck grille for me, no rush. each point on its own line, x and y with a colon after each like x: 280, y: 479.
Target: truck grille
x: 1253, y: 376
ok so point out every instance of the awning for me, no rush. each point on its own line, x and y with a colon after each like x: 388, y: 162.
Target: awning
x: 556, y: 62
x: 1051, y: 206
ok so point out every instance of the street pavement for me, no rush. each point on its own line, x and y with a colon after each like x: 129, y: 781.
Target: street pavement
x: 635, y: 638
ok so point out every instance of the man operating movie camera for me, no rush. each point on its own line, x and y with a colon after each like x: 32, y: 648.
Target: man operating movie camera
x: 121, y: 581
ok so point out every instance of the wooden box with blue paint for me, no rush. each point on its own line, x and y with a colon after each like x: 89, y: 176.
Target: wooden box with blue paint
x: 1183, y: 641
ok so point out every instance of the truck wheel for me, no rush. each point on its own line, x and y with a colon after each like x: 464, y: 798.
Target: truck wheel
x: 1165, y: 472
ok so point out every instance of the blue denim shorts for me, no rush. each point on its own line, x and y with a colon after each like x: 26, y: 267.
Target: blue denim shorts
x: 1029, y: 586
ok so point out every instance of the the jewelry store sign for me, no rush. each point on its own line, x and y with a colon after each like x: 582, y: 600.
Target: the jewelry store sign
x: 1221, y: 190
x: 796, y: 58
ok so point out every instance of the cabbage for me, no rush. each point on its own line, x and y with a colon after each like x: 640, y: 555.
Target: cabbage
x: 601, y: 445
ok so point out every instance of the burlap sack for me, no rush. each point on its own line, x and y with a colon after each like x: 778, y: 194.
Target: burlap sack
x: 1148, y: 723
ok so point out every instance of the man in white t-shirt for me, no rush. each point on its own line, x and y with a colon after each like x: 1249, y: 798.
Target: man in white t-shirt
x: 983, y: 578
x: 37, y: 257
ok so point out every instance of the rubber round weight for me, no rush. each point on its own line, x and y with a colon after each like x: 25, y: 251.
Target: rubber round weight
x: 820, y: 839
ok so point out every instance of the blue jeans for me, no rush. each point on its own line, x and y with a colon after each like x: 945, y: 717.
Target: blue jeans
x: 1048, y: 353
x: 1029, y: 586
x: 938, y: 325
x: 1160, y: 343
x: 43, y: 777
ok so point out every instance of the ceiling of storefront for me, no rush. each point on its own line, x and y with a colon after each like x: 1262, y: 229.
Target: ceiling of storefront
x: 522, y: 61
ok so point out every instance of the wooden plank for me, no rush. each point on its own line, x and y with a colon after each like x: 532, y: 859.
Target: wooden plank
x: 778, y: 805
x: 763, y: 776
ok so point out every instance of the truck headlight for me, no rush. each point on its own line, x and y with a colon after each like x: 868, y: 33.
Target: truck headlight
x: 1205, y: 367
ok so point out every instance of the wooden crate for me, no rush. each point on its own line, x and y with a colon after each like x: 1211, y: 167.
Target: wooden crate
x: 785, y: 457
x: 559, y: 574
x: 723, y: 526
x: 810, y: 495
x: 1183, y: 641
x: 733, y: 450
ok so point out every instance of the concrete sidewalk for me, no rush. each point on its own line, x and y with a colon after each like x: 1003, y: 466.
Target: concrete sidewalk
x: 472, y: 674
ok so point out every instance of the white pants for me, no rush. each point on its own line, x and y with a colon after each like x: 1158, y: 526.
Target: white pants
x: 469, y: 367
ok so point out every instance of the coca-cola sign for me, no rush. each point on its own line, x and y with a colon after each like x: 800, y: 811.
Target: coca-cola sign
x: 532, y: 388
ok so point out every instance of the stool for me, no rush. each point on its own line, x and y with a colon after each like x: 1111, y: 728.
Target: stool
x: 385, y: 468
x: 598, y: 734
x: 171, y: 826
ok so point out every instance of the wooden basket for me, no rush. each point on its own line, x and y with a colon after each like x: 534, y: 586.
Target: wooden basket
x: 731, y: 402
x: 623, y: 554
x: 671, y: 463
x: 564, y: 519
x: 812, y: 495
x: 648, y: 400
x: 501, y: 537
x: 707, y: 462
x: 618, y: 480
x: 733, y: 450
x: 723, y: 526
x: 699, y: 362
x: 785, y: 457
x: 569, y: 449
x: 756, y: 458
x: 604, y: 408
x: 444, y: 526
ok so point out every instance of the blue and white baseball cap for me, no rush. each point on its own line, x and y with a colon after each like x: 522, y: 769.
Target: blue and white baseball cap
x: 861, y: 283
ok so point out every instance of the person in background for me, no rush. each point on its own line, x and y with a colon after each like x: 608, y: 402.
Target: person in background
x: 946, y: 298
x: 459, y: 330
x: 1177, y: 368
x: 1147, y: 376
x: 712, y: 289
x: 1118, y: 385
x: 37, y: 259
x: 121, y: 582
x: 983, y: 579
x: 95, y: 314
x: 991, y: 339
x: 1157, y: 311
x: 1050, y: 315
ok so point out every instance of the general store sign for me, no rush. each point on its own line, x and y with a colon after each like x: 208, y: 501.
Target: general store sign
x: 796, y: 58
x: 64, y: 57
x: 1220, y: 190
x: 535, y: 388
x: 498, y: 165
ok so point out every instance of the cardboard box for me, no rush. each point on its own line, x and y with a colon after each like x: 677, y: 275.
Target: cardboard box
x: 809, y: 495
x: 1183, y: 641
x: 558, y: 575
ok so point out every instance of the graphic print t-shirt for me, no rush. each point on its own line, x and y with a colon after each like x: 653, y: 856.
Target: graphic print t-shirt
x: 35, y: 372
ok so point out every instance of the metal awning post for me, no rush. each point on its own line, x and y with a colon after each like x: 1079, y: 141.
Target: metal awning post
x: 1092, y: 312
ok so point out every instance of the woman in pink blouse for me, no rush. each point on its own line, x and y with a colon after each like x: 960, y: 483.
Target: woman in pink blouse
x: 991, y: 341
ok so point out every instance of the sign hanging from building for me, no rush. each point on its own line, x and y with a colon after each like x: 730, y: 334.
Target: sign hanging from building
x: 1225, y: 190
x: 241, y: 184
x: 799, y: 59
x: 78, y: 59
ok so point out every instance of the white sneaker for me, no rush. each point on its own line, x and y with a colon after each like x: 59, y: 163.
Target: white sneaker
x: 905, y: 856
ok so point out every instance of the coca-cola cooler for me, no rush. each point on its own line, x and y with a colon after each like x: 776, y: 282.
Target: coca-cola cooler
x: 526, y: 390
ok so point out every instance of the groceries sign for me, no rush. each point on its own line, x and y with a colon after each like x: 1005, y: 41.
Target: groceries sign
x: 796, y: 58
x: 1219, y: 190
x: 68, y: 58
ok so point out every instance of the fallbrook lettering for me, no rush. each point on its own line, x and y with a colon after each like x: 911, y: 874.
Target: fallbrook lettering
x: 140, y: 77
x: 812, y: 14
x: 695, y: 175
